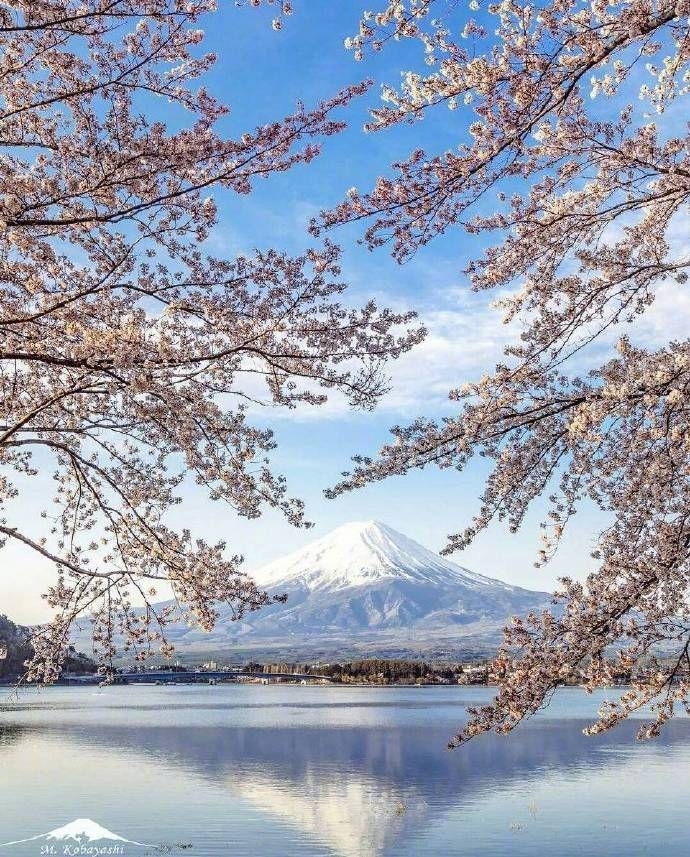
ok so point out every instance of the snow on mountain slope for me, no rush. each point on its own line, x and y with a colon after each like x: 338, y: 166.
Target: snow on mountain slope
x: 364, y: 586
x: 84, y: 830
x: 366, y: 578
x: 362, y: 553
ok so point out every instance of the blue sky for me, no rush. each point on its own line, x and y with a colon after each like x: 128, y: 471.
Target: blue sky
x: 261, y: 74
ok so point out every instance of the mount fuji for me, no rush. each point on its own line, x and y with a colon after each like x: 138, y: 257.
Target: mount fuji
x: 84, y: 830
x: 366, y: 588
x: 81, y: 831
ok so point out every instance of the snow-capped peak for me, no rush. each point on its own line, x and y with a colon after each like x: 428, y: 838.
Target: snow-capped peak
x: 83, y: 830
x: 361, y: 553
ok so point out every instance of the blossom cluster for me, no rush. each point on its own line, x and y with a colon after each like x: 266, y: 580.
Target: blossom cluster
x: 587, y: 204
x: 129, y: 354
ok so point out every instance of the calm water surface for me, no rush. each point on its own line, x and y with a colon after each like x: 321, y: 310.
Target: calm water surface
x: 290, y: 771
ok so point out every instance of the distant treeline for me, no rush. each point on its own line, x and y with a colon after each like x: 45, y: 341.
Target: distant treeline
x: 400, y: 671
x: 16, y: 649
x: 371, y: 671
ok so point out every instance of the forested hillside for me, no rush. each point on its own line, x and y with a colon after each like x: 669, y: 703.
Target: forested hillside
x: 16, y: 649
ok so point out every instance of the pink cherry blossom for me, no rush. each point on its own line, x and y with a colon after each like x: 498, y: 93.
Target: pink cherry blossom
x: 573, y: 147
x: 130, y: 355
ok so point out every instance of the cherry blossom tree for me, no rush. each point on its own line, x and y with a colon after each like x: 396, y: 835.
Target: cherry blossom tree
x: 130, y: 356
x: 577, y: 153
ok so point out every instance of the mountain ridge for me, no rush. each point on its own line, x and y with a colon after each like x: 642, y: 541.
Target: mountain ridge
x: 364, y: 589
x: 360, y: 552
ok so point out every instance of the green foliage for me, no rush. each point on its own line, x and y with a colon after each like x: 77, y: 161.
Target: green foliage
x: 16, y: 640
x: 383, y: 671
x: 19, y: 649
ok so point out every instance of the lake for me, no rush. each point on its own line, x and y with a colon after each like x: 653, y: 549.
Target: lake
x: 293, y: 771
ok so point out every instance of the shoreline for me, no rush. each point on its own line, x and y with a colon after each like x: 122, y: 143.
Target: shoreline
x: 316, y: 684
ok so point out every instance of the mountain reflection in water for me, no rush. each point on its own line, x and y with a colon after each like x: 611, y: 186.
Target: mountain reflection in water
x: 383, y: 783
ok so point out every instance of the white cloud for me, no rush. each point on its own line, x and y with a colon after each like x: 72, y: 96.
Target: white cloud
x: 463, y: 344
